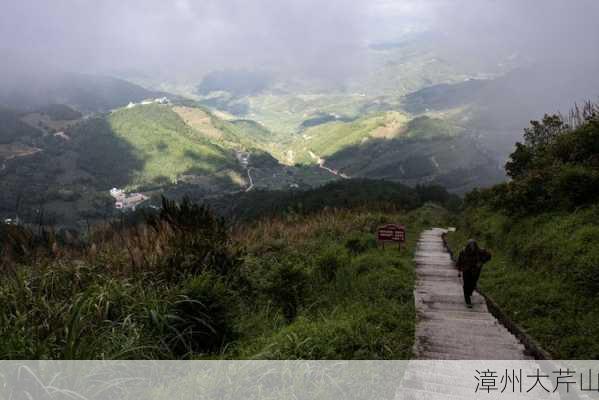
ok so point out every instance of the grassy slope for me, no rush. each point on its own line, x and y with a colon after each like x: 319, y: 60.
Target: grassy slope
x: 116, y: 300
x: 426, y: 127
x: 330, y: 138
x: 166, y: 145
x: 239, y: 134
x: 366, y: 311
x: 326, y: 139
x: 285, y: 112
x: 540, y: 275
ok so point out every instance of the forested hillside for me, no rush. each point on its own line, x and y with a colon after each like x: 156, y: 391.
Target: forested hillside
x: 542, y: 227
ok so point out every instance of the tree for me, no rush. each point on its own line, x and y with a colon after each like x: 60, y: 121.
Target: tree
x: 540, y: 134
x: 520, y: 161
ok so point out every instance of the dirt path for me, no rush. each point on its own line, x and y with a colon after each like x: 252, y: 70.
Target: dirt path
x: 446, y: 328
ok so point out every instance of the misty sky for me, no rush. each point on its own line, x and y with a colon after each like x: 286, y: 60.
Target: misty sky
x: 185, y: 38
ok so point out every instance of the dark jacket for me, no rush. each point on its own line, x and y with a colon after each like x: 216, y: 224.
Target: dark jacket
x: 472, y: 258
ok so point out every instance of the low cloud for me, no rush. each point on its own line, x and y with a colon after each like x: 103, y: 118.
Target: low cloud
x: 184, y: 39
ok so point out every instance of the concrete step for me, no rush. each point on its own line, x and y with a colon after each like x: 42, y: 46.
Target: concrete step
x: 438, y: 306
x: 505, y: 352
x: 454, y: 389
x: 431, y: 355
x: 474, y: 326
x: 446, y: 328
x: 469, y: 342
x: 465, y: 314
x: 416, y: 394
x: 438, y: 377
x: 447, y: 378
x: 446, y: 389
x: 480, y: 341
x: 487, y: 336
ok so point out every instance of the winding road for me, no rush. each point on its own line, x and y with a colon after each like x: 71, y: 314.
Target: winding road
x: 250, y: 179
x: 321, y: 162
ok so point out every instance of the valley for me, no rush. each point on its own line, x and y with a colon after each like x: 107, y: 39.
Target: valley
x: 221, y: 180
x: 412, y: 117
x: 181, y: 148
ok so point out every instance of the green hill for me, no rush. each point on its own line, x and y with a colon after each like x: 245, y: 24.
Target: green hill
x: 326, y: 139
x: 238, y: 134
x: 165, y: 145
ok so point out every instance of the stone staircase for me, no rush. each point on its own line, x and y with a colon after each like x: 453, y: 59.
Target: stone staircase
x: 447, y: 330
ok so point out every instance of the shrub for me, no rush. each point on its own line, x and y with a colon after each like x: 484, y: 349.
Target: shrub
x: 287, y: 283
x: 357, y: 332
x: 360, y: 242
x: 195, y: 241
x: 585, y: 261
x: 556, y: 168
x: 391, y: 282
x: 199, y: 320
x: 574, y: 185
x: 371, y: 261
x: 330, y: 260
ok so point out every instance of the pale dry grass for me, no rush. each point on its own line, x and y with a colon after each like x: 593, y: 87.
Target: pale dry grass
x: 299, y: 229
x: 394, y: 125
x: 199, y: 120
x: 10, y: 151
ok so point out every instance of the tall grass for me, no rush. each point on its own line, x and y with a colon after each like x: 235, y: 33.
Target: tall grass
x: 544, y: 274
x: 184, y: 284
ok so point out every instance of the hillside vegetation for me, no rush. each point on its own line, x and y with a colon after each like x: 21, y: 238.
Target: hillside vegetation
x: 166, y: 146
x: 326, y: 139
x: 341, y: 194
x: 542, y: 228
x: 184, y: 284
x: 13, y: 129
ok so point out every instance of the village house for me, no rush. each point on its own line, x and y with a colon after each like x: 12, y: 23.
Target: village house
x: 118, y: 194
x: 127, y: 202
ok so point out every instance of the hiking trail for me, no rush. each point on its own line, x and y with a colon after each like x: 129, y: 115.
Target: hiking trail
x: 445, y: 328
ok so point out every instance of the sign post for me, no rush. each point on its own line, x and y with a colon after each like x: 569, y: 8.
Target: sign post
x: 392, y: 233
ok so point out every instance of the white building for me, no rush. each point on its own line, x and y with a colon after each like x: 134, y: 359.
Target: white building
x: 130, y: 202
x: 118, y: 194
x: 12, y: 221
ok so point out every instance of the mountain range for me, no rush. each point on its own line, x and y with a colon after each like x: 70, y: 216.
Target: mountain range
x: 414, y: 117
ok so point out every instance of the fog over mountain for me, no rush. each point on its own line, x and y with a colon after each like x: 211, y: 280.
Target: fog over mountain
x: 220, y: 96
x: 186, y: 39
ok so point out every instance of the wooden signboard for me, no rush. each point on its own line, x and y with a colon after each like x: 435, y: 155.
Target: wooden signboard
x: 391, y: 233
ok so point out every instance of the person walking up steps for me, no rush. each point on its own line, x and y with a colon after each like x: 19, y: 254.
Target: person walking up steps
x: 470, y: 263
